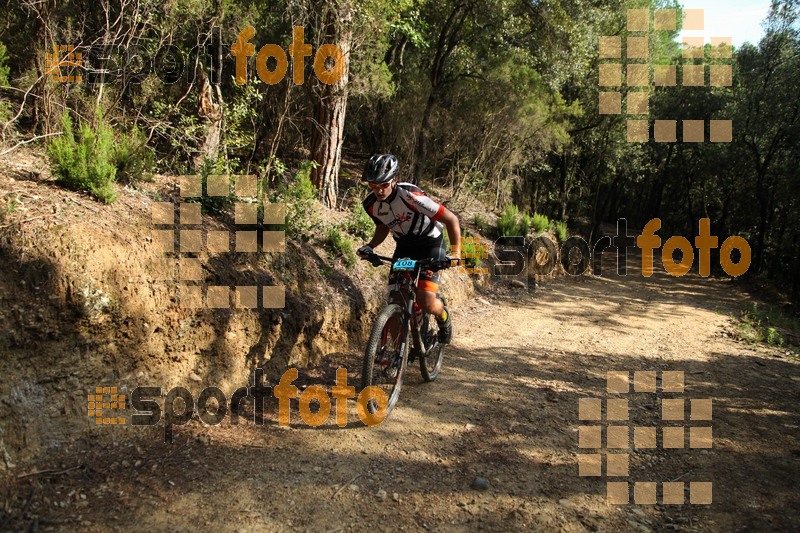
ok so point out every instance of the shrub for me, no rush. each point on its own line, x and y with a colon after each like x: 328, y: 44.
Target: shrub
x: 526, y: 222
x: 560, y: 229
x: 132, y: 157
x: 540, y: 223
x: 773, y: 337
x: 482, y: 223
x: 8, y: 206
x: 215, y: 205
x: 471, y: 252
x: 5, y: 108
x: 359, y: 223
x: 299, y: 194
x: 768, y: 324
x: 507, y: 225
x: 303, y: 188
x: 85, y: 163
x: 339, y: 245
x: 4, y: 68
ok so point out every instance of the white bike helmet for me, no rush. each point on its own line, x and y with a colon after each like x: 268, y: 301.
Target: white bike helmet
x: 381, y: 168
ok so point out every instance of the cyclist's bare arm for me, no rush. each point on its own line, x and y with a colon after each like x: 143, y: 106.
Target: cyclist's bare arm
x: 450, y: 221
x: 381, y: 232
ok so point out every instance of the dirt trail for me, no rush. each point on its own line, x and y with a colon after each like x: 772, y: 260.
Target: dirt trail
x: 505, y: 408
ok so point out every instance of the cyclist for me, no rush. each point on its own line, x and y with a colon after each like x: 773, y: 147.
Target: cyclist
x: 416, y: 222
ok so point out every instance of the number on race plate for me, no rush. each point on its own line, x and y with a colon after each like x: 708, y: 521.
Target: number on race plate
x: 404, y: 264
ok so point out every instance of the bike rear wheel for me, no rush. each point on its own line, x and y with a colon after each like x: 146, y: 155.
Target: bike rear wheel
x: 430, y: 363
x: 386, y: 355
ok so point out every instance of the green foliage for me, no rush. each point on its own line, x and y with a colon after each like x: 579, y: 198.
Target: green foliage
x: 513, y: 223
x: 5, y: 107
x: 508, y: 223
x: 540, y: 223
x: 359, y: 224
x: 773, y: 337
x: 216, y: 205
x: 300, y: 196
x: 470, y: 251
x: 525, y: 223
x: 339, y: 245
x: 4, y: 68
x: 85, y: 163
x: 765, y: 324
x: 560, y: 229
x: 94, y: 159
x: 132, y: 157
x: 8, y: 206
x: 482, y: 223
x: 242, y: 115
x: 303, y: 188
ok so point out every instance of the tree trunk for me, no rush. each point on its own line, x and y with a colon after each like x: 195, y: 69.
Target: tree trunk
x: 421, y: 153
x: 449, y: 37
x: 535, y: 195
x: 763, y: 214
x: 210, y: 108
x: 564, y: 186
x: 330, y: 108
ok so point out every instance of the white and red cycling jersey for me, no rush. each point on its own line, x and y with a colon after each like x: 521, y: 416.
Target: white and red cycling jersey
x: 410, y: 214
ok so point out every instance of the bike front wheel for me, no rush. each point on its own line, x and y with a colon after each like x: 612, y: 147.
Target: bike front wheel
x: 386, y: 356
x: 430, y: 363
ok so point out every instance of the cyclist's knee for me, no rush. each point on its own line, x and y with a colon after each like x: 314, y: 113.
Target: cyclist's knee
x: 428, y: 302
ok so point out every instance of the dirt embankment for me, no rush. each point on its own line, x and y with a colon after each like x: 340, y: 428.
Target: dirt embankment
x: 505, y: 408
x: 85, y: 301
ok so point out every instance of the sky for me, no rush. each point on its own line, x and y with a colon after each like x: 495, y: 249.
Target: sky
x: 740, y: 19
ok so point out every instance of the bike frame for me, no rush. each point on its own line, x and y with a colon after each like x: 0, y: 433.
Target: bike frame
x: 406, y: 297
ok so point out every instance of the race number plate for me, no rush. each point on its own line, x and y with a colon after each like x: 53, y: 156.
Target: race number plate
x: 404, y: 264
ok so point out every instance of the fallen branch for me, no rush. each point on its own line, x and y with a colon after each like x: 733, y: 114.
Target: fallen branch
x: 23, y: 221
x: 30, y: 141
x: 92, y: 209
x: 682, y: 475
x: 345, y: 485
x: 53, y: 472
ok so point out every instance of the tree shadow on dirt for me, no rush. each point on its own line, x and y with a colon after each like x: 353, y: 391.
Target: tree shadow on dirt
x: 517, y: 429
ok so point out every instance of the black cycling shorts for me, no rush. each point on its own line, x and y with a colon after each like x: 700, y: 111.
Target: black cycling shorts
x: 424, y: 248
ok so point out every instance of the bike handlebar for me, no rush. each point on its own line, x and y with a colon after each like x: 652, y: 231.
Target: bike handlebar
x: 430, y: 264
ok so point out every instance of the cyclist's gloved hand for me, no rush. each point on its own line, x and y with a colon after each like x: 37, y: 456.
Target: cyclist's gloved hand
x: 365, y: 251
x: 453, y: 261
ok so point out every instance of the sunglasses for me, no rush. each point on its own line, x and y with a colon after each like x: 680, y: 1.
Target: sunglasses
x: 381, y: 186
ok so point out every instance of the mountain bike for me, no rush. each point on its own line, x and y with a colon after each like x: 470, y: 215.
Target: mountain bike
x: 402, y: 332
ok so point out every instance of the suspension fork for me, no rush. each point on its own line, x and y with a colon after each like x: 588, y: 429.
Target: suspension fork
x: 406, y: 297
x: 416, y: 334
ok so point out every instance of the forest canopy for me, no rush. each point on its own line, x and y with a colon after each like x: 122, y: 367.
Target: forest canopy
x: 513, y: 102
